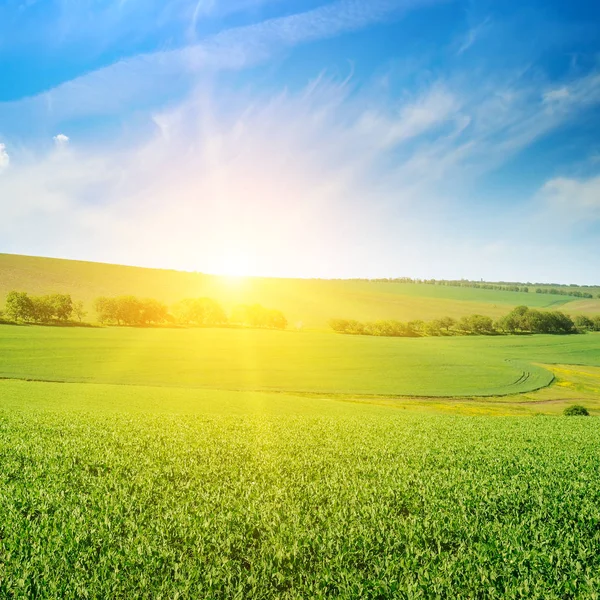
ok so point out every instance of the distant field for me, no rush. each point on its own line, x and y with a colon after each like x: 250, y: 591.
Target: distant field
x: 290, y: 361
x: 312, y: 302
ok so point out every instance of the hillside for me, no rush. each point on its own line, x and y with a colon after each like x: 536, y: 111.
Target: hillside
x: 311, y: 301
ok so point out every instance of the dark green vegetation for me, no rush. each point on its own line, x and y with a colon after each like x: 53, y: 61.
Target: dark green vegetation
x: 576, y: 410
x: 520, y: 320
x: 260, y: 497
x: 313, y: 302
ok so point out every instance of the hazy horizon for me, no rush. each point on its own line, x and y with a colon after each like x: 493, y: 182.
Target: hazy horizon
x: 333, y: 278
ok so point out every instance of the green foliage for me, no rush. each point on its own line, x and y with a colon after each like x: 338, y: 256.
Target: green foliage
x: 520, y: 319
x: 523, y: 319
x: 79, y: 310
x: 199, y: 311
x: 40, y: 309
x: 564, y: 291
x: 576, y: 410
x: 258, y: 316
x: 19, y: 306
x: 262, y: 498
x: 585, y: 323
x: 476, y: 324
x: 129, y: 310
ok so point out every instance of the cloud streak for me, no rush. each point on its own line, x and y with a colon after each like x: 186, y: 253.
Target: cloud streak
x: 132, y: 81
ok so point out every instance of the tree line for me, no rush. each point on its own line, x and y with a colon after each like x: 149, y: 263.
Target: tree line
x: 57, y: 308
x: 134, y: 311
x: 564, y: 292
x: 521, y: 319
x: 203, y: 312
x: 503, y: 286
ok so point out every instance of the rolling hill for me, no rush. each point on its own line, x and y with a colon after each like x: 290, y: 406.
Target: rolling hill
x: 310, y: 301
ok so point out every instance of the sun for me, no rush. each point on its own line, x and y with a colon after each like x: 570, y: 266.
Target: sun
x: 234, y: 266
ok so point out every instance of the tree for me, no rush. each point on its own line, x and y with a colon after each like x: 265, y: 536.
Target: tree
x: 61, y: 306
x: 19, y: 306
x: 199, y: 311
x: 417, y: 325
x: 129, y: 310
x: 259, y: 316
x: 106, y: 308
x: 446, y: 323
x: 152, y: 311
x: 43, y: 309
x: 583, y: 322
x: 78, y: 310
x: 338, y: 325
x: 477, y: 324
x: 433, y: 328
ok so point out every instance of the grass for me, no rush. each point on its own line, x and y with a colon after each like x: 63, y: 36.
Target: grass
x: 254, y: 496
x: 290, y: 361
x: 223, y: 463
x: 312, y: 302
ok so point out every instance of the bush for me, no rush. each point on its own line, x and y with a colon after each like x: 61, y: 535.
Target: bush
x: 576, y: 410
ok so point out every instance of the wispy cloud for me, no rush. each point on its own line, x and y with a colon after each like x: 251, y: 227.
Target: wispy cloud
x: 274, y: 173
x: 573, y: 199
x: 473, y: 35
x: 4, y: 158
x: 134, y: 80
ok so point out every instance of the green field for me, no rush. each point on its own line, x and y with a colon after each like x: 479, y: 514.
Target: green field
x: 255, y: 495
x: 237, y: 463
x: 324, y: 363
x: 312, y: 302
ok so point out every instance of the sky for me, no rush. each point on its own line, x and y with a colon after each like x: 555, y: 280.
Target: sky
x: 315, y: 138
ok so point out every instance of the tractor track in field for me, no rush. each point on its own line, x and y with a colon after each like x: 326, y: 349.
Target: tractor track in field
x: 343, y: 396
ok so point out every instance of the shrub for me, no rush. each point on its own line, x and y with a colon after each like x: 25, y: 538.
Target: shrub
x: 576, y: 410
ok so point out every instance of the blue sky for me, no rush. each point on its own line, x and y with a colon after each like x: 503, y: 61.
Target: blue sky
x: 344, y: 138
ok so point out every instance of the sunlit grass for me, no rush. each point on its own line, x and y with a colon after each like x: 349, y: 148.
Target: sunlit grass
x: 307, y: 498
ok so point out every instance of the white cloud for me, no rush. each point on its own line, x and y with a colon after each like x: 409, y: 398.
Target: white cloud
x: 61, y: 140
x: 574, y: 199
x: 4, y: 157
